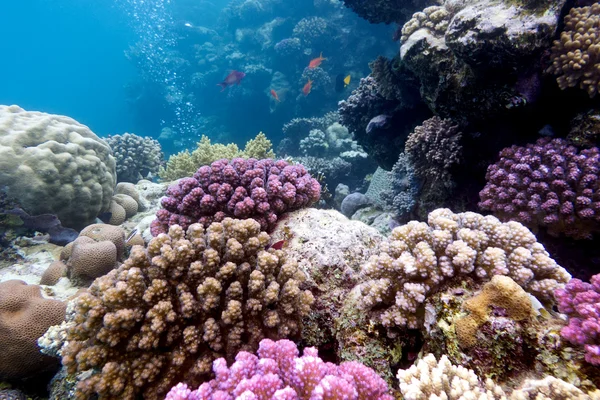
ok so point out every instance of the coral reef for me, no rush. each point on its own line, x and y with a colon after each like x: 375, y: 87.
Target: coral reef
x: 468, y: 56
x: 279, y: 373
x: 585, y: 129
x: 137, y: 157
x: 549, y: 184
x: 185, y: 163
x: 24, y: 317
x: 420, y: 257
x: 581, y: 302
x: 386, y: 11
x: 430, y: 378
x: 55, y: 165
x: 261, y: 189
x: 173, y: 308
x: 434, y: 148
x: 402, y: 194
x: 576, y: 56
x: 313, y: 31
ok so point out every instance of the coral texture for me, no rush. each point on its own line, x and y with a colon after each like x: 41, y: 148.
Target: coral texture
x: 185, y: 163
x: 432, y: 379
x: 171, y: 309
x: 137, y: 157
x: 55, y: 165
x: 278, y: 373
x: 581, y: 302
x: 403, y: 192
x: 419, y: 257
x: 550, y: 184
x: 259, y: 189
x: 576, y: 56
x: 434, y: 148
x: 24, y: 316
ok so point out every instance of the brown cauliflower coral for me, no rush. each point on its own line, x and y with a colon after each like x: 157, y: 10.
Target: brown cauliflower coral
x: 170, y: 310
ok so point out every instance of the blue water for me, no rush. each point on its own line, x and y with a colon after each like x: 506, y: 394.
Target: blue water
x: 66, y: 57
x: 141, y: 66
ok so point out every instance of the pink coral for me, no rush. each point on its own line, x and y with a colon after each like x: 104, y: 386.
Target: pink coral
x: 278, y: 373
x: 258, y: 189
x: 548, y: 183
x: 581, y: 302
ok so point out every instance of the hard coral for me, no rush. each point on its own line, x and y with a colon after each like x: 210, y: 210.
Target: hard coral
x: 185, y: 163
x: 433, y: 379
x: 259, y: 189
x: 54, y: 165
x: 171, y: 309
x: 420, y: 257
x: 24, y: 316
x: 581, y: 302
x: 137, y: 157
x: 434, y: 148
x: 278, y: 373
x: 576, y: 56
x: 550, y: 184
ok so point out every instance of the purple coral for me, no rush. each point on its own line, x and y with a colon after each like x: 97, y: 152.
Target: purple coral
x: 581, y: 302
x: 240, y: 188
x: 548, y: 183
x: 279, y: 374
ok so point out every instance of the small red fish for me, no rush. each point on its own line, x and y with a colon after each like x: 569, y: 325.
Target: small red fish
x: 274, y: 94
x: 278, y: 245
x: 307, y: 87
x: 234, y: 78
x: 315, y: 62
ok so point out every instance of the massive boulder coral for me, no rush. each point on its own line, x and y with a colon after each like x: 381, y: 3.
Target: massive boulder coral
x: 259, y: 189
x: 549, y: 184
x: 278, y: 373
x: 420, y: 257
x: 137, y: 157
x: 576, y: 56
x: 173, y: 308
x: 55, y: 165
x: 24, y: 317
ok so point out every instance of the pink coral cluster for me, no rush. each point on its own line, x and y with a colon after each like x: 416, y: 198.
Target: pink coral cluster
x: 240, y: 188
x: 279, y: 374
x: 548, y: 183
x: 581, y: 302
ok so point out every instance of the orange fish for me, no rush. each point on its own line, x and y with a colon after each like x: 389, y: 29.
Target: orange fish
x: 274, y: 94
x: 307, y: 87
x: 315, y: 62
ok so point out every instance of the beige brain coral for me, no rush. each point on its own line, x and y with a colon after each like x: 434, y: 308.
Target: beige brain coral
x: 171, y: 309
x: 24, y: 316
x: 576, y: 56
x: 53, y: 164
x: 419, y: 257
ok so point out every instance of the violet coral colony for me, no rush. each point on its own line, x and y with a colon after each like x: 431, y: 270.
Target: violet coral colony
x: 549, y: 184
x: 240, y: 188
x: 581, y: 302
x: 171, y: 309
x: 279, y: 373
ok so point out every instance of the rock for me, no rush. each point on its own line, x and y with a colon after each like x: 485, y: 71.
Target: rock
x: 354, y: 202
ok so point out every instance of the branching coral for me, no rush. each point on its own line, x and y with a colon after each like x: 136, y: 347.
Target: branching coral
x: 434, y: 148
x: 432, y: 379
x: 259, y: 189
x: 185, y: 163
x: 278, y: 373
x: 581, y: 302
x: 170, y: 310
x: 548, y: 183
x: 137, y: 157
x: 576, y: 56
x: 420, y: 257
